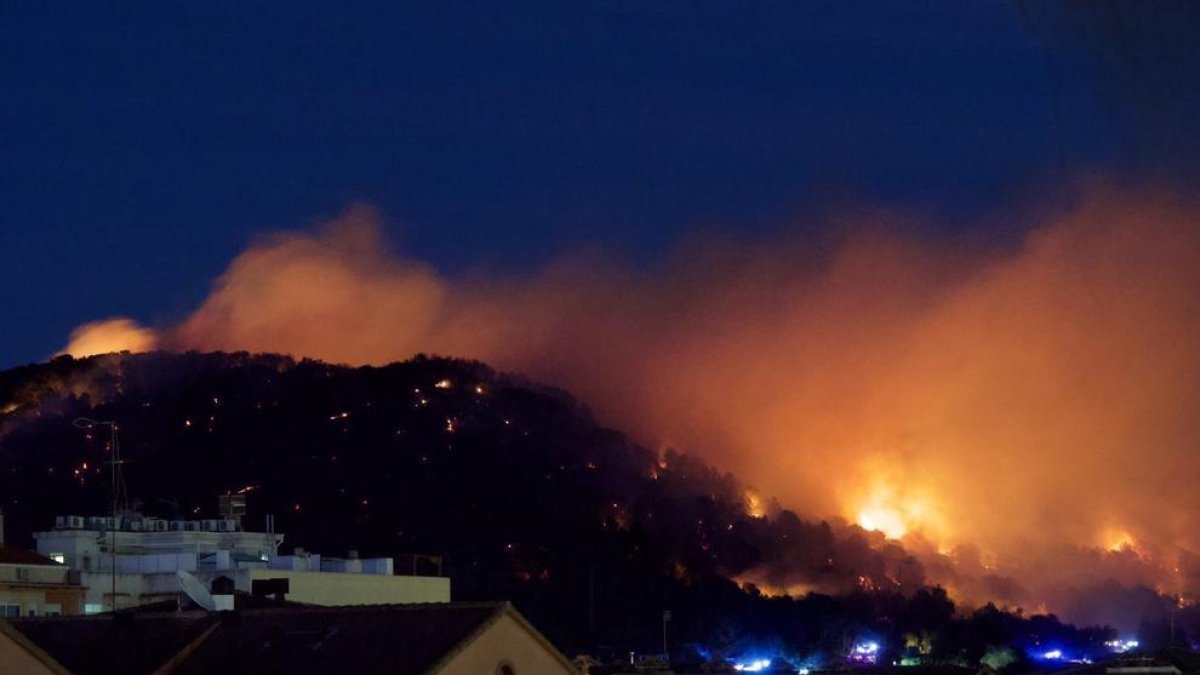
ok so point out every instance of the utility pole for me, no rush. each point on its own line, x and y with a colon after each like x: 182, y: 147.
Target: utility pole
x: 1174, y: 610
x: 118, y: 488
x: 592, y: 601
x: 666, y: 616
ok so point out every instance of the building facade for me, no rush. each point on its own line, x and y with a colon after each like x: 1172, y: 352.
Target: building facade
x: 34, y: 585
x: 133, y: 560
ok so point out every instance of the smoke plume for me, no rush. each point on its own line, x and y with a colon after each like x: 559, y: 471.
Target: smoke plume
x: 115, y: 334
x: 1024, y: 411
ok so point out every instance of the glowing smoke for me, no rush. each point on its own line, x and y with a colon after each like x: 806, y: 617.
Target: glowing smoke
x: 1007, y: 411
x: 115, y: 334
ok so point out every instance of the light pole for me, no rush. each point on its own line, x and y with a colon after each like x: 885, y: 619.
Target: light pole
x: 117, y: 487
x: 666, y: 617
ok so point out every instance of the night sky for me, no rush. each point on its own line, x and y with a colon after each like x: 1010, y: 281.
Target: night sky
x: 144, y: 145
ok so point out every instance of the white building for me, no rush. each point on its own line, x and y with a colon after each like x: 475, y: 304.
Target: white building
x: 149, y: 552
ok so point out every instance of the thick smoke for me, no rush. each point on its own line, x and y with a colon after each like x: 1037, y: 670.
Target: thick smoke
x: 1012, y: 413
x: 114, y: 334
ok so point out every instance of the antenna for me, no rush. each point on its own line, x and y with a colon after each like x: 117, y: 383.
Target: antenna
x: 195, y: 590
x: 120, y: 497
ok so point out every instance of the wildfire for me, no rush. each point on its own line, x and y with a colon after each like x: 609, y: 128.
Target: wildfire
x: 1119, y: 540
x: 754, y: 505
x: 883, y: 519
x: 1000, y: 384
x: 895, y: 509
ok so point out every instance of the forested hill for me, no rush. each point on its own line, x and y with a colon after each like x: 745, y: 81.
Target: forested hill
x: 514, y: 485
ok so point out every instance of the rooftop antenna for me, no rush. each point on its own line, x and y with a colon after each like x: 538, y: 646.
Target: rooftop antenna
x: 120, y: 497
x: 195, y: 590
x: 232, y: 506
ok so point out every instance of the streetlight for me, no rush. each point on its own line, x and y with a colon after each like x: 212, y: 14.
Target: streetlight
x: 118, y: 487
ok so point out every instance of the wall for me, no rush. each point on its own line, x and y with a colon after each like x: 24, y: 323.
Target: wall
x: 333, y: 589
x: 37, y: 574
x: 506, y: 640
x: 132, y: 589
x: 69, y: 600
x: 15, y: 658
x: 76, y: 545
x: 44, y: 584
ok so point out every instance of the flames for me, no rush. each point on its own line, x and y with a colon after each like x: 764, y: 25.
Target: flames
x: 885, y: 519
x: 1117, y: 540
x: 756, y: 507
x: 1006, y: 402
x: 889, y: 501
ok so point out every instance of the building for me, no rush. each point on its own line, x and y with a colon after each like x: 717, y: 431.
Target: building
x: 141, y: 567
x: 442, y: 638
x: 34, y: 585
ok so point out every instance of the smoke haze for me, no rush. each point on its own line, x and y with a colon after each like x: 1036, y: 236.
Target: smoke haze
x: 110, y: 335
x: 1020, y: 412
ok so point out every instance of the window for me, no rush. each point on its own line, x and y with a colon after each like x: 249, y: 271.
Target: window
x: 52, y: 609
x: 92, y: 608
x: 22, y: 574
x: 59, y: 558
x: 10, y: 611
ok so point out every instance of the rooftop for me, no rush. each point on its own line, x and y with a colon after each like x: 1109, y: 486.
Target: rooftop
x: 12, y: 555
x: 293, y: 639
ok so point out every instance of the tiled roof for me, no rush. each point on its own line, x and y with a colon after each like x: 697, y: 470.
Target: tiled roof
x: 11, y: 555
x: 373, y: 639
x: 297, y: 640
x: 105, y: 644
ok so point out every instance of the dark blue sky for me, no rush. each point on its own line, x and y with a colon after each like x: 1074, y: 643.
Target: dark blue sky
x: 143, y: 145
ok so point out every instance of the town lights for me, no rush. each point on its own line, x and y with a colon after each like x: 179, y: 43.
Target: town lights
x: 866, y: 653
x: 1122, y: 646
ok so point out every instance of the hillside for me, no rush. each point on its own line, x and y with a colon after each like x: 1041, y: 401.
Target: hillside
x: 519, y: 491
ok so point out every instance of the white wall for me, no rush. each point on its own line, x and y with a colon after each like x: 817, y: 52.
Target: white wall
x: 506, y: 640
x: 333, y: 589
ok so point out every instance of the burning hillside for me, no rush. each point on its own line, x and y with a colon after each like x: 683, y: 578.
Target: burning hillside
x: 516, y: 490
x: 1023, y: 417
